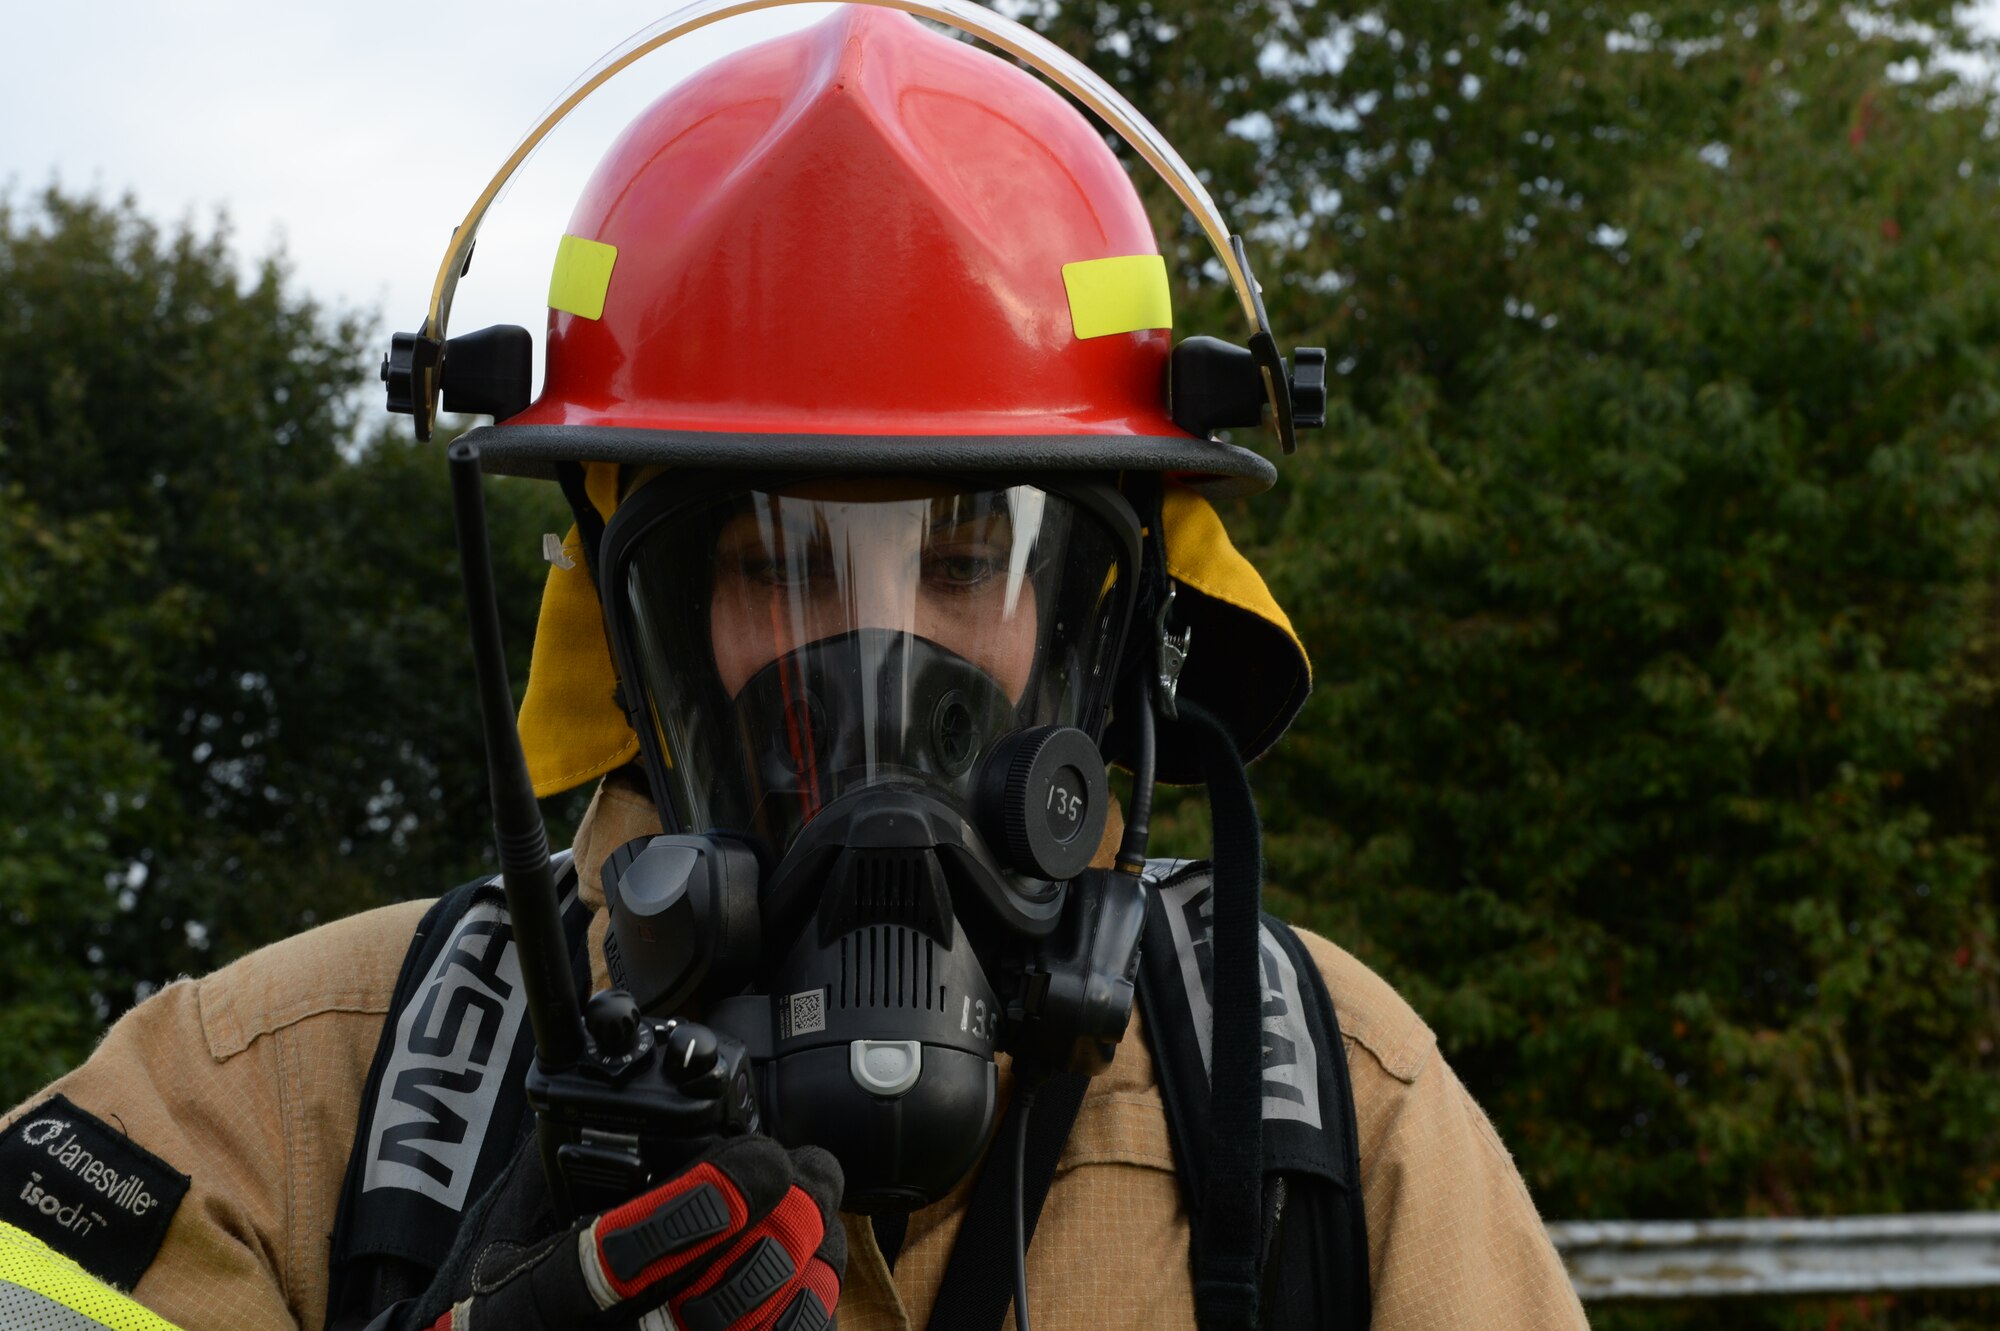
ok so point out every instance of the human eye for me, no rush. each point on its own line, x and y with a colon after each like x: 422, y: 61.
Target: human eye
x: 963, y: 565
x: 784, y: 558
x: 792, y: 568
x: 765, y: 571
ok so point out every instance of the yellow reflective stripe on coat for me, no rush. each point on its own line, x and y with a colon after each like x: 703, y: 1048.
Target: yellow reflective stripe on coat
x: 41, y: 1288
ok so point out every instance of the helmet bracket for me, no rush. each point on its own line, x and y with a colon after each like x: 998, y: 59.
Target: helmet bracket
x: 410, y: 369
x: 1296, y: 399
x: 490, y: 372
x: 487, y: 373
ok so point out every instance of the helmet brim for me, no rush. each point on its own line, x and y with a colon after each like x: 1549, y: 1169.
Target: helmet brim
x: 1215, y: 470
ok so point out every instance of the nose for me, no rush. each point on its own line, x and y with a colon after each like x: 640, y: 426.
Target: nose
x: 877, y: 554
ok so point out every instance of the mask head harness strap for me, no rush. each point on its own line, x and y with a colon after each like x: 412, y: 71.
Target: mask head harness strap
x: 1150, y: 684
x: 589, y: 522
x: 1232, y: 1196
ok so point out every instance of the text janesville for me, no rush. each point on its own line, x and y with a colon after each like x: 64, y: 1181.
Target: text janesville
x: 125, y: 1191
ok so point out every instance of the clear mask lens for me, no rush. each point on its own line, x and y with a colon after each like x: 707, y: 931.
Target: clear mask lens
x: 801, y: 644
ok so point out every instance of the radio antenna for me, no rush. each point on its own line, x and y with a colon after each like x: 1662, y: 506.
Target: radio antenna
x: 518, y: 832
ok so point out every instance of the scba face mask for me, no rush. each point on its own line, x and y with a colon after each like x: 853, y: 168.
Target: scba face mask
x: 868, y: 709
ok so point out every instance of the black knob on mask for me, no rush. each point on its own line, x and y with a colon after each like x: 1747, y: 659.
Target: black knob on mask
x: 1043, y: 801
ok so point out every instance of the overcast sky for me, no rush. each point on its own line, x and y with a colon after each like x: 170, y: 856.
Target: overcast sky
x: 355, y: 134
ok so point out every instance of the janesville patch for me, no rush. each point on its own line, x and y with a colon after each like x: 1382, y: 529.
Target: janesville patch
x: 87, y: 1190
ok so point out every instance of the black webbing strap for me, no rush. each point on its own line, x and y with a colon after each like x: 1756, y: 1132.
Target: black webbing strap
x: 1225, y: 1277
x: 979, y: 1279
x: 589, y: 522
x: 891, y: 1228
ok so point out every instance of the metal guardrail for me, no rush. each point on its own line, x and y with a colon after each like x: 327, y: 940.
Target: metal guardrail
x: 1667, y: 1259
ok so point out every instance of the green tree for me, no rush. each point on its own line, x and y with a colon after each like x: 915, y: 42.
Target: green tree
x: 1647, y: 564
x: 234, y: 672
x: 73, y: 771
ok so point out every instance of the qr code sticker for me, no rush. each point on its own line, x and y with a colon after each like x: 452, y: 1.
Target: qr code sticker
x: 808, y: 1013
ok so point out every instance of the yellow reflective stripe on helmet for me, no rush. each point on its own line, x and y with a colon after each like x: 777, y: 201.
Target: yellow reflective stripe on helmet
x: 1122, y: 295
x: 582, y: 275
x: 31, y: 1269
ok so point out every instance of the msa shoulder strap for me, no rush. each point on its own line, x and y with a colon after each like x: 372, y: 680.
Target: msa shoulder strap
x: 1313, y: 1251
x: 444, y: 1109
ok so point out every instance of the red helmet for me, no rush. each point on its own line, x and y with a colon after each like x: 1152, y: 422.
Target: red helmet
x: 860, y: 229
x: 865, y: 233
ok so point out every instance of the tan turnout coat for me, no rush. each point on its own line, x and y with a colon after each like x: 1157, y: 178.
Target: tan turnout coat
x: 250, y: 1081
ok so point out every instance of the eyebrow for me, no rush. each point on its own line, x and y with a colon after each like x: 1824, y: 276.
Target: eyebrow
x: 804, y: 527
x: 947, y: 519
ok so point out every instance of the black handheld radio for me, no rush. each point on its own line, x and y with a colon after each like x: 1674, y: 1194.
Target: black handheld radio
x: 620, y: 1099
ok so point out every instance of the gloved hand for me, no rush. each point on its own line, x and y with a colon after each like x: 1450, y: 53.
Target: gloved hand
x: 745, y: 1239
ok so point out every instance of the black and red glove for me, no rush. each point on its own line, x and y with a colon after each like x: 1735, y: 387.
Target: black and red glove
x: 745, y: 1239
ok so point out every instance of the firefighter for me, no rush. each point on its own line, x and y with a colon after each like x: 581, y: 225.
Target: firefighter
x: 894, y: 526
